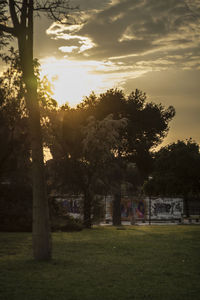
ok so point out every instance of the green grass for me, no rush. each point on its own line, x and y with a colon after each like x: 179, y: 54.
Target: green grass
x: 141, y: 262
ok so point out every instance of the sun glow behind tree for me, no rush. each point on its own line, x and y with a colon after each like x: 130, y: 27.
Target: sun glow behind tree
x: 72, y: 79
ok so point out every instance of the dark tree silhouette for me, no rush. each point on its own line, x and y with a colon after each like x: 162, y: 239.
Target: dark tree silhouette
x: 147, y: 125
x: 15, y: 152
x: 176, y: 171
x: 20, y: 14
x: 83, y: 153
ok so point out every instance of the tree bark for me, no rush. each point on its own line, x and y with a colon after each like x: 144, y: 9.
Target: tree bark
x: 117, y: 207
x: 41, y: 225
x: 87, y: 205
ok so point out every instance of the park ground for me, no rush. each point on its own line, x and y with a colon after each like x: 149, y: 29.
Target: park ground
x: 105, y: 263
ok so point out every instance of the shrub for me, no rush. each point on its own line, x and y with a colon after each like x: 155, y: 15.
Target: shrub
x: 66, y: 223
x: 16, y: 211
x: 15, y: 208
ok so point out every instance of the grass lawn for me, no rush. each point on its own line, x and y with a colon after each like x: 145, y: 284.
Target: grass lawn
x: 140, y: 262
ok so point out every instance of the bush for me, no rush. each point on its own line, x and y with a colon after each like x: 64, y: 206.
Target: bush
x: 61, y: 220
x: 16, y: 211
x: 15, y: 208
x: 66, y: 223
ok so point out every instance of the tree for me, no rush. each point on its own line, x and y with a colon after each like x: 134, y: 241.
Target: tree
x: 14, y: 139
x: 176, y: 170
x: 100, y: 143
x: 83, y: 153
x: 15, y: 152
x: 20, y: 14
x: 147, y: 125
x: 127, y: 159
x: 4, y: 36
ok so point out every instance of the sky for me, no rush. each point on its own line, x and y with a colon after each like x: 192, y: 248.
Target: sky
x: 152, y: 45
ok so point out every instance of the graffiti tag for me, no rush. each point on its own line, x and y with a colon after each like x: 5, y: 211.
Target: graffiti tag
x: 163, y: 208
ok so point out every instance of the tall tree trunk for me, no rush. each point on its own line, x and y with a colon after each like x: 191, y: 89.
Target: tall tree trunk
x: 87, y: 205
x: 41, y: 225
x: 117, y: 207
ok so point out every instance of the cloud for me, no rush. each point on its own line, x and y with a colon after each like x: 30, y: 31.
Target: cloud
x: 129, y: 38
x: 148, y: 44
x: 135, y: 31
x: 67, y: 48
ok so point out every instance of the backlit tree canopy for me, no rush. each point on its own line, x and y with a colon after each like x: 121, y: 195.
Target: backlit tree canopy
x: 93, y: 143
x: 176, y: 170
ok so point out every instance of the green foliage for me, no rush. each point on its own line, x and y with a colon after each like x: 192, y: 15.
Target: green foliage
x: 176, y: 170
x: 65, y: 223
x: 19, y: 15
x: 4, y: 37
x: 60, y: 219
x: 89, y: 133
x: 101, y: 140
x: 14, y: 139
x: 14, y: 135
x: 84, y: 144
x: 147, y: 122
x: 16, y: 211
x: 93, y: 144
x: 83, y: 149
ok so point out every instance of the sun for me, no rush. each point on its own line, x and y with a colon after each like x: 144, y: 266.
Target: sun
x: 72, y: 80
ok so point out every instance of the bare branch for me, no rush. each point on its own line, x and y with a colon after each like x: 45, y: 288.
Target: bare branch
x: 56, y: 10
x: 13, y: 14
x: 24, y: 13
x: 7, y: 29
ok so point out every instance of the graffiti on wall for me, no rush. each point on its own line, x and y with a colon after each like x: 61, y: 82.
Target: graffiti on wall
x: 140, y: 209
x: 161, y: 208
x: 132, y: 208
x: 72, y: 205
x: 126, y: 208
x: 166, y: 208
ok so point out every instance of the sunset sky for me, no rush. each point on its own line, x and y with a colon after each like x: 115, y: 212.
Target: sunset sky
x: 153, y: 45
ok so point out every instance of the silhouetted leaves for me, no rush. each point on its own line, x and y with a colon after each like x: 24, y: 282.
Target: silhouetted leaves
x: 176, y: 170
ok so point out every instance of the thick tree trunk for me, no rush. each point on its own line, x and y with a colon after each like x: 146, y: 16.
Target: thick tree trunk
x: 117, y: 207
x: 21, y: 15
x: 87, y: 205
x: 41, y: 225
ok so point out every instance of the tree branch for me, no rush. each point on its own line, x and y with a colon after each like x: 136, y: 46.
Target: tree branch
x: 56, y: 10
x: 13, y: 14
x: 24, y: 13
x: 7, y: 29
